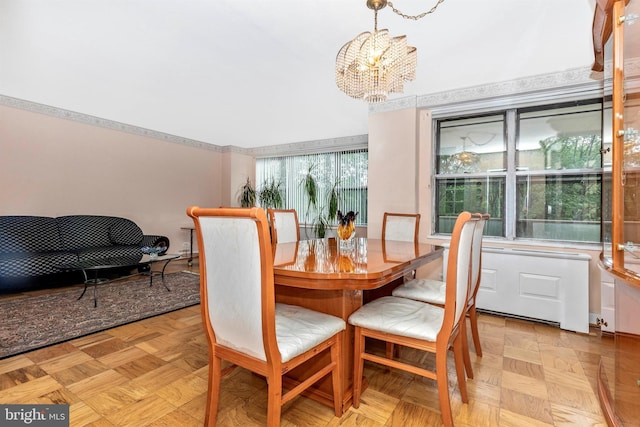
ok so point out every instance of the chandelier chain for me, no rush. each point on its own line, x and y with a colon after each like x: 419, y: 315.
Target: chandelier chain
x: 375, y: 20
x: 415, y: 17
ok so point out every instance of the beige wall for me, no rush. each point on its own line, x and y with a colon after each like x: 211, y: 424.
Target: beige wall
x: 52, y: 167
x: 236, y: 168
x: 400, y: 170
x: 393, y: 185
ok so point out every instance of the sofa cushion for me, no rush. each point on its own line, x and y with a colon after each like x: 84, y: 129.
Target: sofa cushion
x: 27, y: 264
x: 104, y: 253
x: 125, y: 232
x: 28, y: 234
x: 84, y: 231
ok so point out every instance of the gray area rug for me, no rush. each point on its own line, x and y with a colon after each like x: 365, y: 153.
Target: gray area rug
x: 32, y: 322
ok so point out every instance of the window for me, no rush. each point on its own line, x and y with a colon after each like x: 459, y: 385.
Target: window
x: 537, y: 171
x: 347, y: 170
x: 471, y: 170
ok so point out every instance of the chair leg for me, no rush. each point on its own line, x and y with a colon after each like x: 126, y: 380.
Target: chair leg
x: 458, y: 355
x: 392, y: 351
x: 213, y: 393
x: 274, y: 400
x: 465, y: 348
x: 389, y: 350
x: 443, y: 388
x: 358, y: 365
x: 336, y: 375
x: 473, y: 317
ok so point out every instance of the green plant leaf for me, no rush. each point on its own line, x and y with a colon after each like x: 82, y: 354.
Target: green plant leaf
x: 270, y: 194
x: 247, y: 196
x: 310, y: 188
x: 333, y: 204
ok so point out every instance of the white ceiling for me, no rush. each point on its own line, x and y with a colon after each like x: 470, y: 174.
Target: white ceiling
x: 253, y: 73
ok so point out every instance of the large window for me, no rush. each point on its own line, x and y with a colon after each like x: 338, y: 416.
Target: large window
x: 537, y: 171
x: 471, y: 170
x: 345, y: 170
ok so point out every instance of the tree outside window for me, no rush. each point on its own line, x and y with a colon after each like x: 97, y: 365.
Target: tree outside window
x: 556, y: 177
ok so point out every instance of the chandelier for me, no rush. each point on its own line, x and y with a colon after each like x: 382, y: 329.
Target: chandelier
x: 464, y: 161
x: 373, y: 65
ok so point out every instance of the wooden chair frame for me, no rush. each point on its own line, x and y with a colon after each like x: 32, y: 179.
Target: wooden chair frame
x: 450, y: 336
x: 476, y: 276
x: 415, y: 217
x: 388, y: 215
x: 273, y: 369
x: 475, y: 284
x: 273, y: 214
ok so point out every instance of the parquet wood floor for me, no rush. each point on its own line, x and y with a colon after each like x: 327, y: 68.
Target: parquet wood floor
x: 154, y: 373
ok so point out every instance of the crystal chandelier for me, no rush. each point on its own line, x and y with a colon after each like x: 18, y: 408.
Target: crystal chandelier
x: 373, y: 65
x: 464, y: 161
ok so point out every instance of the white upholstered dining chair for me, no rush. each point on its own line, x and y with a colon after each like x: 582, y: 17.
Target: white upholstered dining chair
x: 403, y: 227
x: 422, y: 326
x: 434, y: 291
x: 284, y: 225
x: 242, y: 321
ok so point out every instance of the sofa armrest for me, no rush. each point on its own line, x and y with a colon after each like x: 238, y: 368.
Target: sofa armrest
x: 151, y: 240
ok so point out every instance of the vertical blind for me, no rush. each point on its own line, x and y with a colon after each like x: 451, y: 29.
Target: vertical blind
x: 346, y: 170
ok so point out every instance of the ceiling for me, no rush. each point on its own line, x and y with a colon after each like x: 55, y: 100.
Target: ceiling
x: 252, y: 73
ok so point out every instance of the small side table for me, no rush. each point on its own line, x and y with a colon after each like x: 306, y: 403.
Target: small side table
x: 191, y: 229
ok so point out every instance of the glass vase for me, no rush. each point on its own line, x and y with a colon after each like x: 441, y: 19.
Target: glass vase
x: 345, y: 233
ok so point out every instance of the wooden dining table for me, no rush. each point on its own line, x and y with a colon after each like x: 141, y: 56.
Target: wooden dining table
x: 336, y: 278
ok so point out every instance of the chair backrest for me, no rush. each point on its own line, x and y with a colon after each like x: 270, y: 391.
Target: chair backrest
x: 284, y: 225
x: 458, y: 271
x: 236, y: 276
x: 476, y: 256
x: 285, y: 254
x: 400, y: 226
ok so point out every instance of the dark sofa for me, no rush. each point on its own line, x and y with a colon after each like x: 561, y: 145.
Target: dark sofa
x: 31, y: 247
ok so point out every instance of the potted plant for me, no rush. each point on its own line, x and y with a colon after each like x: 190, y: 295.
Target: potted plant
x: 247, y: 195
x: 321, y: 212
x: 270, y: 194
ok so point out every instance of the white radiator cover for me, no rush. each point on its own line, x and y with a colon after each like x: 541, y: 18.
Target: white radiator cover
x: 543, y: 285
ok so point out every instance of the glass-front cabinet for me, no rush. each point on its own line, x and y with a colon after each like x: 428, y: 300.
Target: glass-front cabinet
x: 621, y: 201
x: 616, y: 38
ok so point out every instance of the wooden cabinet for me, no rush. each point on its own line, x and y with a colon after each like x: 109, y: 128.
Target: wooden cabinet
x: 607, y: 319
x: 617, y: 55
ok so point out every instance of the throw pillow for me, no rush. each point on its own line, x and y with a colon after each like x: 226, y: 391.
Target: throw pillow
x: 125, y: 232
